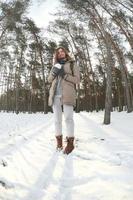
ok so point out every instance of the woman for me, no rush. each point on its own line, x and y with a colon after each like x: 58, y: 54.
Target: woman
x: 63, y: 77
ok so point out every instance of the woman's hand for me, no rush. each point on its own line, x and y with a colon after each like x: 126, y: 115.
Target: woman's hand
x: 62, y: 73
x: 56, y: 69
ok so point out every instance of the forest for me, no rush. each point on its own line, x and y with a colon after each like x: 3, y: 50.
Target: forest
x: 99, y: 36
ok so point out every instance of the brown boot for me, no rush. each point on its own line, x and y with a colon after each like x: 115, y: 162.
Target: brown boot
x: 59, y: 142
x: 70, y: 146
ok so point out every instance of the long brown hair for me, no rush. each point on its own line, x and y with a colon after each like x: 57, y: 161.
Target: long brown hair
x: 55, y: 59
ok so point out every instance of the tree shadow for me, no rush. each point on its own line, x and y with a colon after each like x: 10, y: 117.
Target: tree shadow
x: 100, y: 132
x: 46, y: 176
x: 65, y: 188
x: 21, y: 142
x: 69, y: 180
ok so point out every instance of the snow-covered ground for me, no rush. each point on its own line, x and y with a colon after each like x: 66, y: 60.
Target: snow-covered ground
x: 99, y: 168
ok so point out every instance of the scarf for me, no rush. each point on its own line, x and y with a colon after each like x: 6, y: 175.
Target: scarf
x: 62, y: 61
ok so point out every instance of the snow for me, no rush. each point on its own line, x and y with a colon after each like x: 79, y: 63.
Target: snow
x: 99, y: 168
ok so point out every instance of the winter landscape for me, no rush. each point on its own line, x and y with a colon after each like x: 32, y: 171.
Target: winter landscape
x: 80, y: 51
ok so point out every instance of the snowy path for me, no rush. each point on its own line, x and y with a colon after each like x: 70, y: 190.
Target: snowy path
x: 100, y: 167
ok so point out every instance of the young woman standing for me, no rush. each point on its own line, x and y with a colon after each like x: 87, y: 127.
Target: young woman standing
x: 63, y: 77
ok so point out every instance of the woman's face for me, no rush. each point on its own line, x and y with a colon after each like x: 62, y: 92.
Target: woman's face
x: 61, y: 54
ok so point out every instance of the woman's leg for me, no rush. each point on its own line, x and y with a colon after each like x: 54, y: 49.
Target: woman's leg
x: 68, y: 114
x: 57, y: 109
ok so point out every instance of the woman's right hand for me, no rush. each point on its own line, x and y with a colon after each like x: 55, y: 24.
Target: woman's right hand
x: 56, y: 69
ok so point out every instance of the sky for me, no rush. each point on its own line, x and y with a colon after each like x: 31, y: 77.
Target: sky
x: 41, y: 12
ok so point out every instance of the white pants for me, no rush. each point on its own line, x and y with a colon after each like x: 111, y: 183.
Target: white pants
x: 68, y: 115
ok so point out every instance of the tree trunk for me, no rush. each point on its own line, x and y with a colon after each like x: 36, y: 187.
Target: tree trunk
x: 108, y: 98
x: 45, y: 103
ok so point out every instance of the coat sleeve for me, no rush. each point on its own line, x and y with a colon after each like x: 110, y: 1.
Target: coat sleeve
x: 75, y: 78
x: 50, y: 77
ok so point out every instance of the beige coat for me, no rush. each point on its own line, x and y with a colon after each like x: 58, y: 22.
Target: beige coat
x: 67, y: 83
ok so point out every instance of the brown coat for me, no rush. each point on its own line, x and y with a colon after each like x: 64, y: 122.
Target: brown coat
x: 67, y: 83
